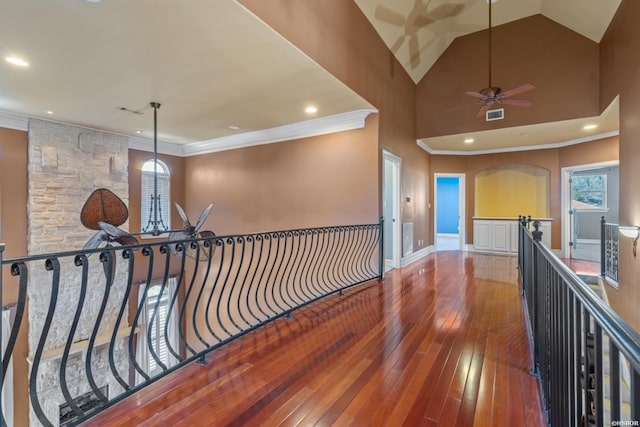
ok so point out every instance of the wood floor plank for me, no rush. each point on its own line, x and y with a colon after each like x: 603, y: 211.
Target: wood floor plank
x: 440, y: 342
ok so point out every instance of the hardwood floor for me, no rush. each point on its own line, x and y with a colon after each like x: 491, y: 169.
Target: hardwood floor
x: 582, y: 266
x: 439, y: 343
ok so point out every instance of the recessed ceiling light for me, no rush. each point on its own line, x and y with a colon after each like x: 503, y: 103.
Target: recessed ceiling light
x: 469, y: 140
x: 16, y: 61
x: 589, y: 127
x: 49, y: 112
x: 311, y: 109
x: 234, y: 127
x: 139, y: 131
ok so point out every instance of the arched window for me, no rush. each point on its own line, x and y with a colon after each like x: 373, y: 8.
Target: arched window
x: 146, y: 202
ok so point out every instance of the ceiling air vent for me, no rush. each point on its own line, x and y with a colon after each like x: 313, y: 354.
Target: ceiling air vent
x: 495, y: 114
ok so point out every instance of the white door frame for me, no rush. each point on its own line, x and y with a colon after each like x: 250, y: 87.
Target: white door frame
x: 397, y: 232
x: 565, y: 203
x: 462, y: 205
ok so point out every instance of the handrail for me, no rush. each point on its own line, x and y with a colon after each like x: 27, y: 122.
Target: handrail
x: 577, y: 339
x: 104, y: 323
x: 612, y: 324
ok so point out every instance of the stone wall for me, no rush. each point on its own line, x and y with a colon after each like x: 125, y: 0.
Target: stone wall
x: 66, y: 164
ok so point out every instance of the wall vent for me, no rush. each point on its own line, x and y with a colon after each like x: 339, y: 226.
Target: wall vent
x: 495, y: 114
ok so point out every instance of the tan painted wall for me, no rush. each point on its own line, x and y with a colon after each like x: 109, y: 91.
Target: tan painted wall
x: 338, y: 36
x: 320, y: 181
x: 620, y: 74
x: 553, y: 160
x: 13, y: 233
x: 562, y: 64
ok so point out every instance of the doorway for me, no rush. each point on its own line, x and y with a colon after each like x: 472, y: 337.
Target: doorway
x: 589, y: 192
x: 391, y: 209
x: 449, y: 220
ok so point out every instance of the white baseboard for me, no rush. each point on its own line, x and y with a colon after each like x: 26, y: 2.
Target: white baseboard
x: 388, y: 265
x: 417, y: 255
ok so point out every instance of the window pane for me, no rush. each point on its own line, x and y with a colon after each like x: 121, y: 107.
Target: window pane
x: 589, y: 191
x: 147, y: 204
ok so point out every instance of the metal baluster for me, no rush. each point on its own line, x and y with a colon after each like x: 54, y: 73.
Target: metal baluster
x: 51, y: 264
x: 127, y: 254
x: 80, y: 261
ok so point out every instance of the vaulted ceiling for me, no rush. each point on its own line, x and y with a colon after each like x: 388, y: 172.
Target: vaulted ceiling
x: 217, y: 70
x: 419, y: 31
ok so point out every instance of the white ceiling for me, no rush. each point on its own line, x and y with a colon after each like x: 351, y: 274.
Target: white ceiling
x: 210, y: 63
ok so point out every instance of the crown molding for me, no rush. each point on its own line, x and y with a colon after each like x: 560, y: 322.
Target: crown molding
x: 305, y: 129
x: 14, y: 121
x: 429, y: 150
x: 424, y: 146
x: 308, y: 128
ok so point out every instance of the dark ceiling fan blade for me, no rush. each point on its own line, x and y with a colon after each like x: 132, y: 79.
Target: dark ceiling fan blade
x: 95, y: 240
x: 116, y: 234
x: 483, y: 110
x: 389, y: 16
x: 103, y: 205
x: 475, y: 94
x: 517, y: 90
x: 203, y: 217
x: 183, y: 215
x: 518, y: 102
x: 126, y: 240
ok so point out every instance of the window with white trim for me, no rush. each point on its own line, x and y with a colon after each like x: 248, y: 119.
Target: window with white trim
x: 589, y: 192
x: 146, y: 202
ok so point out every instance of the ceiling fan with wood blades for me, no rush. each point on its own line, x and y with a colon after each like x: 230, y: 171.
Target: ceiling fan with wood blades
x: 193, y: 232
x: 104, y: 211
x: 419, y: 17
x: 495, y: 95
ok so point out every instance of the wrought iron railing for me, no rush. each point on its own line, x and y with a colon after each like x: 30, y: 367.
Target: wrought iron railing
x: 609, y: 250
x: 586, y: 356
x: 106, y: 322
